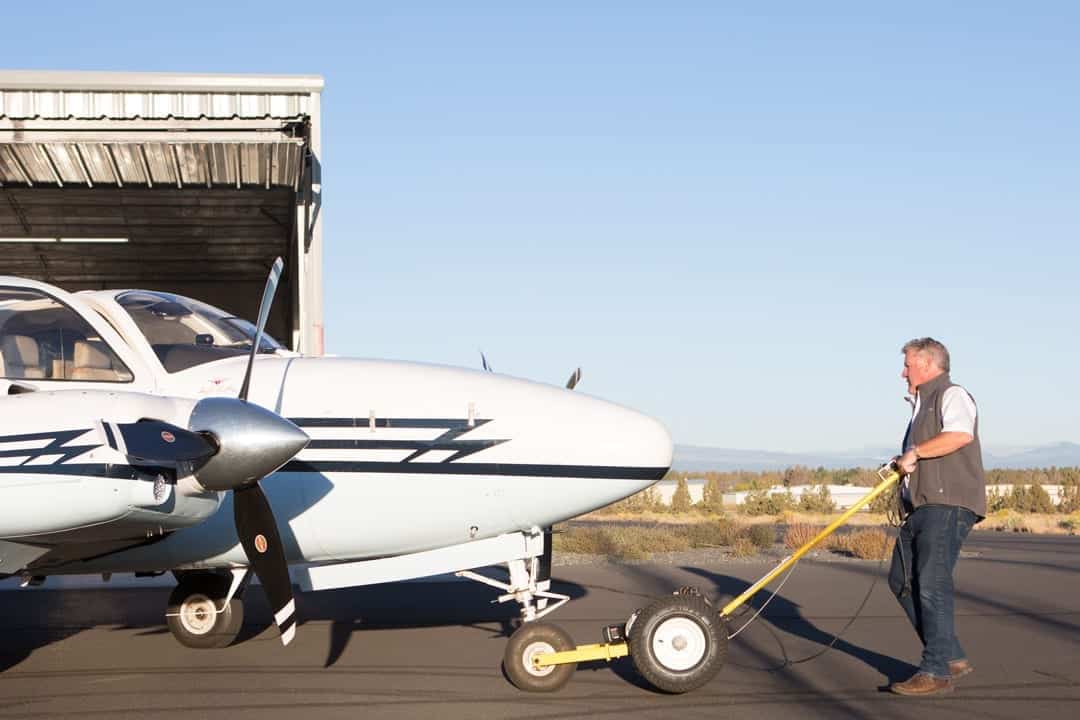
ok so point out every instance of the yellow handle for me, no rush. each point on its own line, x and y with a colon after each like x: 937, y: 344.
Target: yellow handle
x: 888, y: 475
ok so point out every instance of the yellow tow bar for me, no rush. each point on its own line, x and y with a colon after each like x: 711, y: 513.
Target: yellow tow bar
x: 609, y: 651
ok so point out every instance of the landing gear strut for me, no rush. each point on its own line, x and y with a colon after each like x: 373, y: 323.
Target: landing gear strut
x: 205, y: 609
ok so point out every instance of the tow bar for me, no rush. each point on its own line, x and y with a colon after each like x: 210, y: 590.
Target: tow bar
x: 678, y: 643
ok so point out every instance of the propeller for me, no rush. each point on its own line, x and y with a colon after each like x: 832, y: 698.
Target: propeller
x: 254, y: 443
x: 233, y: 444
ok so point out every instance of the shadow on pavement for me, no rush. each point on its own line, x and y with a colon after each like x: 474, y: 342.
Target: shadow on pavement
x: 785, y: 615
x: 33, y: 619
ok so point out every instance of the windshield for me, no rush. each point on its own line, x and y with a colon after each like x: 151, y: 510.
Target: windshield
x: 185, y: 332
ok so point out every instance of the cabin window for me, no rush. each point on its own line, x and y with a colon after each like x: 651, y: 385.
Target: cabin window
x: 41, y: 338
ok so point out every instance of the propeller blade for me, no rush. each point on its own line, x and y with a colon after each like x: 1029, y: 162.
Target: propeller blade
x: 259, y: 536
x: 484, y: 362
x: 157, y: 442
x: 264, y: 312
x: 575, y: 378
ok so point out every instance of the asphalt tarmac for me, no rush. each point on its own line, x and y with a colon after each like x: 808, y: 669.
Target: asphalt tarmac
x: 433, y: 649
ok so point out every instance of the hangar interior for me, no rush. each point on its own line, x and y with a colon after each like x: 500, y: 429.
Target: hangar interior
x: 190, y: 184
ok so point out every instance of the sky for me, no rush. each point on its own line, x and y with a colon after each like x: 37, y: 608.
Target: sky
x: 731, y: 215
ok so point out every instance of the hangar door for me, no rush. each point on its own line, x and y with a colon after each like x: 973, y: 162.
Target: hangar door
x: 184, y: 183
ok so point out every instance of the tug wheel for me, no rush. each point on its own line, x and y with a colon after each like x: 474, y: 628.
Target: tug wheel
x: 528, y: 641
x: 192, y: 617
x: 678, y: 643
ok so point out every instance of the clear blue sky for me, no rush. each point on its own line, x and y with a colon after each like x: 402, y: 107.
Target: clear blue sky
x: 732, y: 215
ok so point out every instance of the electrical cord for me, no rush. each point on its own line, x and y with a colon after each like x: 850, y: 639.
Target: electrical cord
x: 894, y: 518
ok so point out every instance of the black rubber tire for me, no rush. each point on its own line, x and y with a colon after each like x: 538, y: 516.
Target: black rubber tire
x: 677, y: 617
x: 528, y: 640
x: 188, y: 620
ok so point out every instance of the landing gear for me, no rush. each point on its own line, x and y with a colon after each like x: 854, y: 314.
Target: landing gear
x: 205, y: 610
x: 678, y: 643
x: 527, y: 643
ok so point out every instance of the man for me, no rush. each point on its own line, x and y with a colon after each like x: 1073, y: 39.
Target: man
x: 944, y: 495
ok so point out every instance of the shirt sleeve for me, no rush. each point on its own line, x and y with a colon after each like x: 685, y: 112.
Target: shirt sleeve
x: 957, y: 411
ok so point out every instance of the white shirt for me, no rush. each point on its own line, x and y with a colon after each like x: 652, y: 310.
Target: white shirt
x: 957, y: 411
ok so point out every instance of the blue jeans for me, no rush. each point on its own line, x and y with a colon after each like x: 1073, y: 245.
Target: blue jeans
x: 921, y: 577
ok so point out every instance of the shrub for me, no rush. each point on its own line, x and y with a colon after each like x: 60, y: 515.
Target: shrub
x: 680, y: 501
x: 886, y: 502
x: 648, y: 500
x: 712, y: 534
x: 762, y: 502
x: 627, y: 543
x: 743, y: 547
x: 799, y: 534
x: 712, y: 497
x: 996, y: 501
x: 1011, y: 521
x: 1069, y: 500
x: 873, y: 544
x: 762, y: 536
x: 1033, y: 499
x: 818, y: 500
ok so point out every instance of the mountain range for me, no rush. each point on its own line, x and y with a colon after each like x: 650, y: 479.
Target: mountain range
x: 698, y: 459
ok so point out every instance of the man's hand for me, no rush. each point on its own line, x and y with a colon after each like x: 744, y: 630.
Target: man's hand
x: 907, y: 462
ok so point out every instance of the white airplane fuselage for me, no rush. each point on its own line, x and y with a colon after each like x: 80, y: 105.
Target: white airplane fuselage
x: 404, y: 457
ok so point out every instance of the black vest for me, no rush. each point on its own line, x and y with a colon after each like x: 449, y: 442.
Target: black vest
x: 956, y: 478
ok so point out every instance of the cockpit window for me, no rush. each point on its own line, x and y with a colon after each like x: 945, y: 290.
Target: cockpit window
x: 185, y: 332
x: 41, y: 338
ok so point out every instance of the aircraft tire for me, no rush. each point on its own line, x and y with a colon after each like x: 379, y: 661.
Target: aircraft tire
x: 190, y: 614
x: 529, y: 640
x: 678, y: 643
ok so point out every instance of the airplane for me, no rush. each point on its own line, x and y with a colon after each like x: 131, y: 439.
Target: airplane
x: 145, y: 432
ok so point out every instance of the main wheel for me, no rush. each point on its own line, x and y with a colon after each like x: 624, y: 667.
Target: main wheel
x: 528, y: 641
x: 192, y: 614
x: 678, y: 643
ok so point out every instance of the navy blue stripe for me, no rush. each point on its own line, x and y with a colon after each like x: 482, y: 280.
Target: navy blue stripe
x: 54, y: 449
x: 414, y: 423
x: 125, y: 472
x: 595, y: 472
x: 610, y: 472
x: 401, y: 444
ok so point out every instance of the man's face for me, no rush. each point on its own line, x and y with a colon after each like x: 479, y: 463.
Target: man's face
x: 918, y: 368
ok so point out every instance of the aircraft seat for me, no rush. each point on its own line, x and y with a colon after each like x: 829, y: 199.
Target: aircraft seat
x: 91, y: 361
x: 22, y: 358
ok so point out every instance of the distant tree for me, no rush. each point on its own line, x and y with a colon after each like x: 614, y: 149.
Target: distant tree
x: 680, y: 501
x: 712, y: 497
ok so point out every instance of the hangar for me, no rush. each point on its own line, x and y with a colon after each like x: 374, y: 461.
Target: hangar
x: 188, y: 183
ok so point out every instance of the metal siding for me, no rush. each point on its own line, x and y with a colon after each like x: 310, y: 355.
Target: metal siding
x: 68, y: 104
x: 263, y: 164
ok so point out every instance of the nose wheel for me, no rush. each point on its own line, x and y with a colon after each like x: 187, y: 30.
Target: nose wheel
x: 527, y: 644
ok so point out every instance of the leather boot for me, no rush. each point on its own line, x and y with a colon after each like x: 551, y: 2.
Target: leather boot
x: 922, y: 684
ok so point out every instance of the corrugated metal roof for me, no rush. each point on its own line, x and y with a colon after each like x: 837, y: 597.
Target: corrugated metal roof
x: 275, y: 163
x: 74, y: 95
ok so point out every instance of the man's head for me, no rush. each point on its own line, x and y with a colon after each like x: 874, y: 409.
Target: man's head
x: 924, y: 360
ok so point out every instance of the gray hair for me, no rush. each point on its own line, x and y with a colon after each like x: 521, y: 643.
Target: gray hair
x: 931, y: 347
